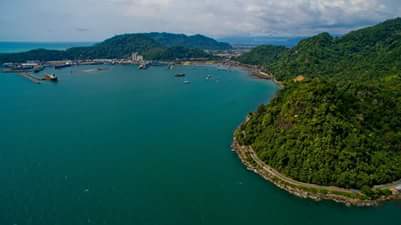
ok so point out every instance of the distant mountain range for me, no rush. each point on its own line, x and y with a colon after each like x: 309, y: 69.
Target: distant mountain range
x: 153, y: 46
x: 182, y: 40
x: 253, y: 41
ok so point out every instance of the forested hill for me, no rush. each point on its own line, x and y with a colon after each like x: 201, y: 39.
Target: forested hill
x: 163, y: 46
x: 262, y: 55
x: 366, y: 53
x: 182, y: 40
x: 341, y: 125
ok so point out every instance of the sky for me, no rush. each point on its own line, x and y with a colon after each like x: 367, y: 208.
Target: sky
x: 95, y: 20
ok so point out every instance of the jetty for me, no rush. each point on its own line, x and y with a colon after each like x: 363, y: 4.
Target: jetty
x: 33, y: 78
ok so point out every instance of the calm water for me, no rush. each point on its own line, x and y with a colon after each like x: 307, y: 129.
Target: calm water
x: 136, y: 147
x: 10, y: 47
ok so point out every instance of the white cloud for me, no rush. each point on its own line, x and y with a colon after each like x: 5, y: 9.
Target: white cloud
x: 277, y: 17
x: 213, y: 17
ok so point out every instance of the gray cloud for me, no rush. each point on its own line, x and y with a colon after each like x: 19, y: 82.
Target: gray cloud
x: 103, y: 18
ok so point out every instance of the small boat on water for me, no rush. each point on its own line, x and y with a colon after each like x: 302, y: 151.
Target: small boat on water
x: 180, y: 75
x: 61, y: 66
x: 209, y: 77
x: 101, y: 69
x: 187, y: 82
x: 51, y: 77
x: 143, y: 66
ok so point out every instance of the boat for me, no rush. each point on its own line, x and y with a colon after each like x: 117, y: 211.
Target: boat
x: 208, y: 77
x: 187, y: 82
x: 60, y: 66
x: 143, y: 66
x: 171, y: 67
x: 180, y: 75
x: 101, y: 69
x: 50, y: 77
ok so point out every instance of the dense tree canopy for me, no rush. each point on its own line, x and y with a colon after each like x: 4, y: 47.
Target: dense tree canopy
x: 262, y: 55
x: 342, y: 125
x: 369, y: 52
x: 182, y: 40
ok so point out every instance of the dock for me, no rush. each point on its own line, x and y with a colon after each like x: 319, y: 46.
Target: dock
x: 34, y: 79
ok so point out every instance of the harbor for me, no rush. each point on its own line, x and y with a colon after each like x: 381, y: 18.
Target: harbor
x: 225, y: 58
x: 36, y: 66
x: 80, y: 97
x: 223, y: 62
x: 38, y: 80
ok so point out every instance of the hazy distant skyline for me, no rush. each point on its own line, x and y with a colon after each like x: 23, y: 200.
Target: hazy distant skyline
x: 95, y: 20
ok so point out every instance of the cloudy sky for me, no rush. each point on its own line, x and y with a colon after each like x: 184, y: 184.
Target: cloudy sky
x: 93, y: 20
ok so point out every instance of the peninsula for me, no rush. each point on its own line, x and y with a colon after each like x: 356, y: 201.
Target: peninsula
x: 333, y: 131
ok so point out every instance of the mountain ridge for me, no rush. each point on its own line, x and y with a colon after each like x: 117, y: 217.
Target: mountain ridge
x: 151, y: 45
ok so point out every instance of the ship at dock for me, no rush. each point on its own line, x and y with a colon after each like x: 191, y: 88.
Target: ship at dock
x: 145, y: 65
x: 50, y: 77
x: 171, y: 66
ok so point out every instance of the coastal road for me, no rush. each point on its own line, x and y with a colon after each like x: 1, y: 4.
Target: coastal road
x: 286, y: 179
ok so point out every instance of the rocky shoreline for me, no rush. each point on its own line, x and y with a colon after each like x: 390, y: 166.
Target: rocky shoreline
x: 316, y: 194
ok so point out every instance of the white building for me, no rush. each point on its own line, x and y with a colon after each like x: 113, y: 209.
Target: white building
x: 136, y: 58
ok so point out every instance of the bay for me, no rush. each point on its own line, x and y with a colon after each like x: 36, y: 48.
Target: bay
x: 126, y: 146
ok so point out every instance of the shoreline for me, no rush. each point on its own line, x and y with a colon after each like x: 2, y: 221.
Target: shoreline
x: 252, y: 70
x: 305, y: 190
x: 250, y: 160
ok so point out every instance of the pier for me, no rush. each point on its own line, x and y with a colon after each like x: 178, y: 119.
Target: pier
x: 33, y: 78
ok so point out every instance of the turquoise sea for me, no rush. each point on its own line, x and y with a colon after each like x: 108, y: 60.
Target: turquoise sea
x: 11, y: 47
x: 124, y: 146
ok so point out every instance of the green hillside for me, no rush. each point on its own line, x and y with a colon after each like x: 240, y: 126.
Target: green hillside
x: 182, y: 40
x: 161, y: 46
x: 342, y: 125
x: 262, y: 55
x: 368, y: 53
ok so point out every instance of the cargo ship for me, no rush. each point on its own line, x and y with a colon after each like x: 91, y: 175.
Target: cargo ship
x: 144, y: 66
x: 51, y: 77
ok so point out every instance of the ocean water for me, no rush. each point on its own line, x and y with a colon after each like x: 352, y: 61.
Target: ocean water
x: 124, y: 146
x: 11, y: 47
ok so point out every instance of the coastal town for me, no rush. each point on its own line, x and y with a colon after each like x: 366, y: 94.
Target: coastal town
x: 224, y: 59
x: 36, y: 66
